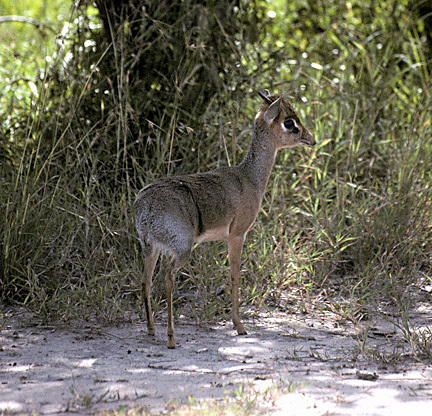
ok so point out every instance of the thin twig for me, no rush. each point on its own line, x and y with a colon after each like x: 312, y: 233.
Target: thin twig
x: 29, y: 20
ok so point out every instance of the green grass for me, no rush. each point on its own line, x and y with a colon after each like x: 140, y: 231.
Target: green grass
x: 351, y: 216
x: 26, y: 49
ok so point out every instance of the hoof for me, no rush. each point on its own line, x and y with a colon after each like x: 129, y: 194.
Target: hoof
x: 220, y: 290
x: 171, y: 343
x: 241, y: 330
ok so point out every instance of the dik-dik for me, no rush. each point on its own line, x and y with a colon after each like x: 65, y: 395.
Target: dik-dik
x: 172, y: 214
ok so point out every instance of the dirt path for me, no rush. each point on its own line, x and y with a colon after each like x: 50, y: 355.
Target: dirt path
x: 52, y: 370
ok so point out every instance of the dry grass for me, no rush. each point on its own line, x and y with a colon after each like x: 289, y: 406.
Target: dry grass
x: 352, y: 216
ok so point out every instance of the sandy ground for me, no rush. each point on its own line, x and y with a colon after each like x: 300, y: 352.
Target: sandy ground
x: 313, y: 358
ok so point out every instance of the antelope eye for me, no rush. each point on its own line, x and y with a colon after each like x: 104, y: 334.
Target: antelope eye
x: 291, y: 125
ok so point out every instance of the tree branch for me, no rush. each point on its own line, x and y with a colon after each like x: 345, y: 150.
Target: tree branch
x: 22, y: 19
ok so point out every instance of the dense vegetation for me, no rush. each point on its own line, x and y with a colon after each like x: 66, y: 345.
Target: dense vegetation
x: 131, y: 91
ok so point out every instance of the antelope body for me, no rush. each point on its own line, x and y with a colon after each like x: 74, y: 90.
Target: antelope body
x: 174, y: 213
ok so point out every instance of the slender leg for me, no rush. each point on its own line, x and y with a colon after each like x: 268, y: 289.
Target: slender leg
x: 169, y: 284
x: 235, y: 247
x: 150, y: 262
x: 172, y: 269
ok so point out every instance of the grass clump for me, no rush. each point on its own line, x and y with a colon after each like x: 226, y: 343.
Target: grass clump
x: 132, y: 94
x: 246, y: 399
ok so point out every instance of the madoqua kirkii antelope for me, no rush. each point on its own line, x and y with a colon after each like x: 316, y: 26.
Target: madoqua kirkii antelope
x: 174, y: 213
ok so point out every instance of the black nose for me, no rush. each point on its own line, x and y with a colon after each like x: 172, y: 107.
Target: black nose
x: 308, y: 138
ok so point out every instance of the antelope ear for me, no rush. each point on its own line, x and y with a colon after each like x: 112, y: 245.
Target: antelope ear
x: 264, y: 95
x: 273, y: 111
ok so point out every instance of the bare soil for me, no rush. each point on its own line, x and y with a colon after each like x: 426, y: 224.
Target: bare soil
x: 322, y: 363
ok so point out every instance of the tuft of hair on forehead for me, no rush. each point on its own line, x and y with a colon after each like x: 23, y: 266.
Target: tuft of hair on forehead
x: 286, y: 105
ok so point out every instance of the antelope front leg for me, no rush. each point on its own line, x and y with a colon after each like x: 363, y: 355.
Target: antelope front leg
x: 235, y: 247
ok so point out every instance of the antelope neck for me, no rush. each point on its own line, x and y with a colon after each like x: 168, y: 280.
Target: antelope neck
x: 259, y: 161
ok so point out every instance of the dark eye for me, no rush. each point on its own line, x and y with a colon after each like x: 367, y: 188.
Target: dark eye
x: 291, y: 125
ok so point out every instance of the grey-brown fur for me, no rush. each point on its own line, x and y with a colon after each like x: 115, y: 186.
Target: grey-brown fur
x: 174, y: 213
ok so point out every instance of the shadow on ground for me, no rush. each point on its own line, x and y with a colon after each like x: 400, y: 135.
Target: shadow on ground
x: 327, y: 364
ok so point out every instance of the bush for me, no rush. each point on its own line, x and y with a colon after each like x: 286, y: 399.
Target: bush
x: 136, y: 91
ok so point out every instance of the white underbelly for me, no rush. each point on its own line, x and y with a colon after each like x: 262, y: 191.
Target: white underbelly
x: 220, y: 233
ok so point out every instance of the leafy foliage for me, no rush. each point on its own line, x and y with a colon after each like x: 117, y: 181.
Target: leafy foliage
x: 137, y: 90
